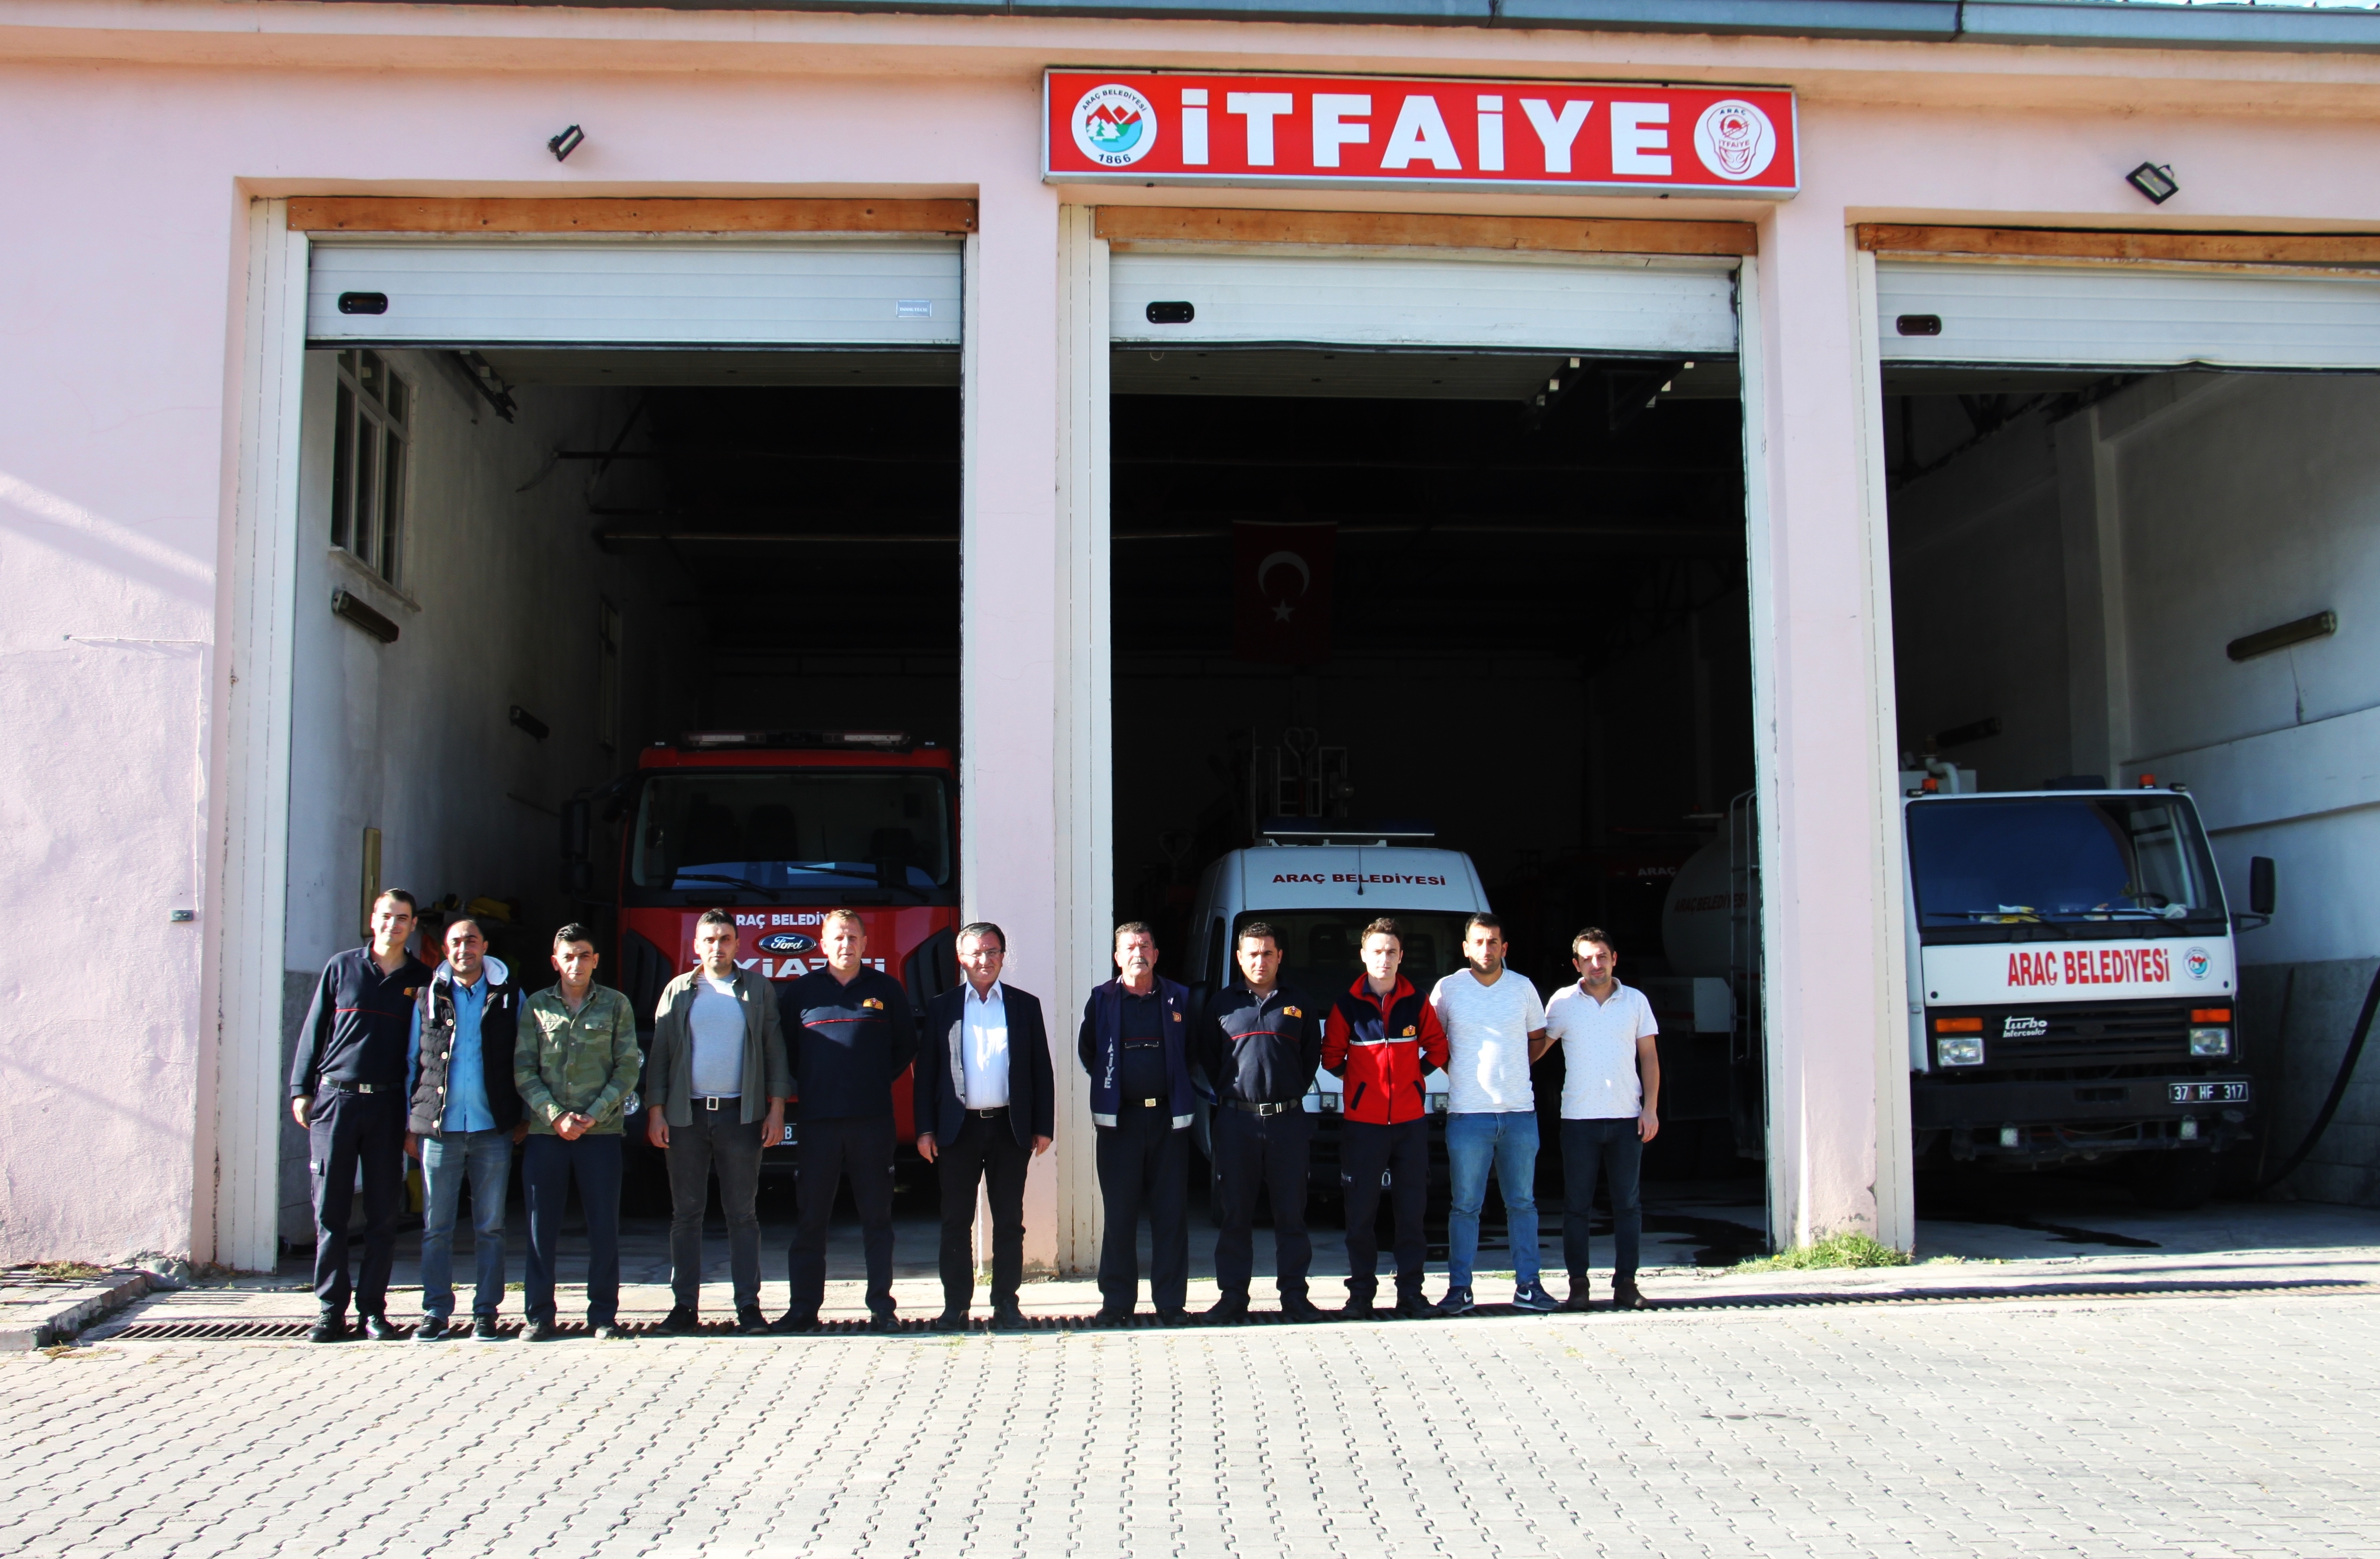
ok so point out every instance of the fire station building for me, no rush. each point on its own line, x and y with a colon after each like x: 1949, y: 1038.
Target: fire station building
x: 1700, y: 416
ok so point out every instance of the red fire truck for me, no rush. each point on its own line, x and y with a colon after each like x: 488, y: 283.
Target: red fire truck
x: 778, y: 827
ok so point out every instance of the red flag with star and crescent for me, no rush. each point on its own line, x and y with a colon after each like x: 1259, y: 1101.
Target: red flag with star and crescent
x: 1280, y: 590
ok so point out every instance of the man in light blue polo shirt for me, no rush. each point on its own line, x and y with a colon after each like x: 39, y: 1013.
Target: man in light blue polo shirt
x: 465, y: 1116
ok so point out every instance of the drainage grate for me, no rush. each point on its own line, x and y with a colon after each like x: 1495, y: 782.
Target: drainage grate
x: 291, y: 1331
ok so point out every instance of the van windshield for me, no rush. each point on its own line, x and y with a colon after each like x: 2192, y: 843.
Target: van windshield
x: 792, y: 829
x: 1320, y: 955
x: 2049, y: 858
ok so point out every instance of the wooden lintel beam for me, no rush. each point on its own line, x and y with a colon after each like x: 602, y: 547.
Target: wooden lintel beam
x: 401, y: 213
x: 2044, y: 243
x: 1556, y: 235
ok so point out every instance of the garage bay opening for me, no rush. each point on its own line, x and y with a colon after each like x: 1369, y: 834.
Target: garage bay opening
x: 1416, y: 632
x: 2130, y: 514
x: 619, y: 630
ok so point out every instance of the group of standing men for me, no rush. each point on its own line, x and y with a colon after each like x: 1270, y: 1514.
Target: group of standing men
x: 456, y: 1066
x: 1259, y: 1046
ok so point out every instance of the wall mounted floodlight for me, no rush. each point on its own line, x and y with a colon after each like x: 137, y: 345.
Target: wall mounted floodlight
x: 2322, y: 624
x: 2156, y: 181
x: 562, y: 145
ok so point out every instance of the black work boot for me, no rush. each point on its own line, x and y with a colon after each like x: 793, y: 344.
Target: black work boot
x: 331, y: 1326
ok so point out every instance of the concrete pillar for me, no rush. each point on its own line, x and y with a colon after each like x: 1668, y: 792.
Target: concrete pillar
x: 1033, y: 634
x: 1831, y: 920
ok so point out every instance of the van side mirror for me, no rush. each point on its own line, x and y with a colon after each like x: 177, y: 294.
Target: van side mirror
x: 2263, y: 887
x: 577, y: 867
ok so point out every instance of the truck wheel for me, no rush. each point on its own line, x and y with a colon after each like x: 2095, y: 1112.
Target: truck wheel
x: 2175, y: 1181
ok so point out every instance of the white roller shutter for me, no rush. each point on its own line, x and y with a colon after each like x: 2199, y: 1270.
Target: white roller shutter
x: 807, y: 292
x: 2121, y: 316
x: 1657, y: 308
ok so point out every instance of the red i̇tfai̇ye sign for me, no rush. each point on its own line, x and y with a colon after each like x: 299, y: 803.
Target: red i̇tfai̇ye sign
x: 1394, y: 132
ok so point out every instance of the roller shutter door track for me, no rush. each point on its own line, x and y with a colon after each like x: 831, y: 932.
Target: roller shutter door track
x: 806, y: 293
x: 1614, y: 305
x: 2117, y: 316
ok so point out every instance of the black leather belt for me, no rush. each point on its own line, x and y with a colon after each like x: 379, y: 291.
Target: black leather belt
x: 711, y: 1104
x: 986, y: 1115
x: 348, y: 1088
x: 1245, y: 1108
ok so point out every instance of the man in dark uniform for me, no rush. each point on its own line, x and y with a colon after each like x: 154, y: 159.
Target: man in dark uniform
x: 1260, y: 1048
x: 347, y: 1088
x: 851, y: 1032
x: 1134, y: 1044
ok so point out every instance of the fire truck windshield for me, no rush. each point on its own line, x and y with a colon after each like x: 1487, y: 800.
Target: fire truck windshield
x: 790, y: 830
x: 2048, y: 858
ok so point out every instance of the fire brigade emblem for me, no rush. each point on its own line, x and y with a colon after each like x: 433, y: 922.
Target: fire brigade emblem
x: 1735, y: 139
x: 1114, y: 125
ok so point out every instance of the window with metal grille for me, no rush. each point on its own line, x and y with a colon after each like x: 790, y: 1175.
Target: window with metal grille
x: 368, y: 462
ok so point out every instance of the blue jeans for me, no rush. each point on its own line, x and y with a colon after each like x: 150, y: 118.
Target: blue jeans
x: 1508, y: 1141
x: 485, y: 1158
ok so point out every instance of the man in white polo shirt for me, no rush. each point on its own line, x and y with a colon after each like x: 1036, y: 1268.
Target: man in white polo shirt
x: 1495, y: 1032
x: 1611, y: 1086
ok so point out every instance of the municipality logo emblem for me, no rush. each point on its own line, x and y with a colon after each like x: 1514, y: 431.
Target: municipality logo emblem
x: 1735, y: 139
x: 2198, y: 962
x: 1114, y: 125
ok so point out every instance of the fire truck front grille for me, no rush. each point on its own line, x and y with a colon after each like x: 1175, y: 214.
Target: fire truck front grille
x: 2083, y: 1036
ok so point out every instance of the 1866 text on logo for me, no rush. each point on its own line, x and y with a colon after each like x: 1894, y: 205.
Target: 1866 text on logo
x: 1114, y: 125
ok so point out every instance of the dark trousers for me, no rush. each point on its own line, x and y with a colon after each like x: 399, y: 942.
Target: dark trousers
x: 862, y: 1147
x: 1400, y: 1154
x: 548, y: 1163
x: 346, y: 1130
x: 987, y: 1151
x: 1267, y: 1155
x: 716, y: 1140
x: 1144, y: 1165
x: 1613, y: 1147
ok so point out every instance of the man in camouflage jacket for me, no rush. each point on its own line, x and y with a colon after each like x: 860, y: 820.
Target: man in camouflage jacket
x: 576, y: 1061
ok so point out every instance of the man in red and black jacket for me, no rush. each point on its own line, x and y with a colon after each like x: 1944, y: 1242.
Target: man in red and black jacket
x: 1383, y: 1038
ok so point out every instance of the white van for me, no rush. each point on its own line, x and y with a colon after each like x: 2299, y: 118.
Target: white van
x: 1318, y: 890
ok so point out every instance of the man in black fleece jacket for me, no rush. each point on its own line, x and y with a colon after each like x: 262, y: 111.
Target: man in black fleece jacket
x: 851, y: 1033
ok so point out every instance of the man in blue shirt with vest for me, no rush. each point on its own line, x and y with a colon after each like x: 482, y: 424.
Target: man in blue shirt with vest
x: 1134, y: 1044
x: 851, y: 1032
x: 1260, y: 1047
x: 347, y: 1088
x: 465, y: 1117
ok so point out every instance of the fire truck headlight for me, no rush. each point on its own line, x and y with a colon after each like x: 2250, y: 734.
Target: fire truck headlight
x: 1959, y: 1050
x: 2210, y: 1042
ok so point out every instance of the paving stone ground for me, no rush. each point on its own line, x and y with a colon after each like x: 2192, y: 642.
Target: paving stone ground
x: 2196, y: 1426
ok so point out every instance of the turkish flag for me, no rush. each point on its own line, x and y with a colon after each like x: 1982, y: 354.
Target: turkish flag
x: 1280, y: 590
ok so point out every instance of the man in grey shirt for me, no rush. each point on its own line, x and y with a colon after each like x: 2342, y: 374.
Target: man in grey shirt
x: 715, y: 1098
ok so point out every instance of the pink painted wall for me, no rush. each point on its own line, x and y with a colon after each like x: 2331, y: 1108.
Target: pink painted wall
x: 136, y: 133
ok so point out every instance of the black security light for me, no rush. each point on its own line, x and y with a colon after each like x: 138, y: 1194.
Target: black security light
x: 537, y: 729
x: 562, y: 145
x: 2322, y: 624
x: 2156, y: 181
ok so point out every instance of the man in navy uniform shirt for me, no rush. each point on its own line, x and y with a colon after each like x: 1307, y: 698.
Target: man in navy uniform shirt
x: 1260, y: 1048
x: 850, y: 1032
x: 1134, y: 1044
x: 347, y: 1088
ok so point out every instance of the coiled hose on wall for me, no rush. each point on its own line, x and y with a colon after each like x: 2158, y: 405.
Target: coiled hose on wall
x: 2337, y: 1089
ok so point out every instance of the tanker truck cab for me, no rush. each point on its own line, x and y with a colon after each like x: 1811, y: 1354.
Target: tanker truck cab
x: 2074, y: 985
x: 1318, y: 883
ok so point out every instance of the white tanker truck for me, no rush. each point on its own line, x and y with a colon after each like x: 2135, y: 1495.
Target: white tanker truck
x: 2072, y: 982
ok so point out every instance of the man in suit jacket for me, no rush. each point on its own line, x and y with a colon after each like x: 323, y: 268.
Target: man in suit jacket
x: 985, y: 1102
